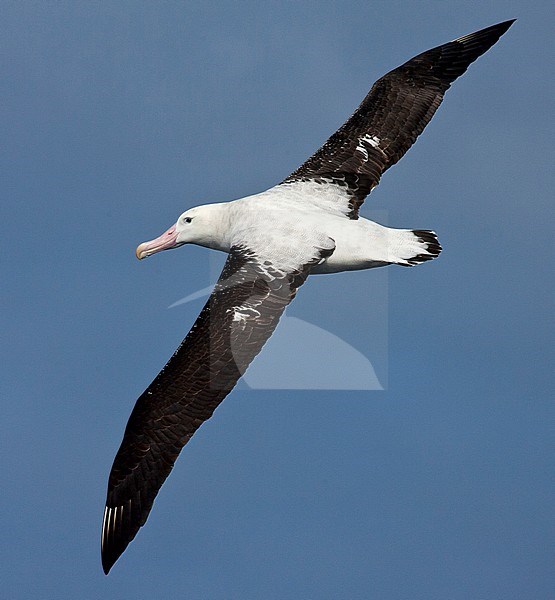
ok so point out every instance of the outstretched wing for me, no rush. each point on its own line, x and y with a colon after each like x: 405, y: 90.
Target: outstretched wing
x: 239, y: 317
x: 390, y: 118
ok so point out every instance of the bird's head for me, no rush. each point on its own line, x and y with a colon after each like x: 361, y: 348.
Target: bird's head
x: 200, y: 225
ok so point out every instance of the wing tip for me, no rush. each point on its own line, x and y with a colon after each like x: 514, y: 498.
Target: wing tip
x: 115, y: 535
x: 108, y: 555
x: 503, y: 25
x: 491, y: 33
x: 107, y: 565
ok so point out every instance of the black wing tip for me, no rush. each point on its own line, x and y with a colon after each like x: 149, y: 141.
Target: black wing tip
x: 109, y: 557
x: 110, y: 553
x: 449, y: 61
x: 491, y: 33
x: 107, y: 564
x: 506, y: 24
x: 502, y: 26
x: 116, y: 534
x: 108, y: 550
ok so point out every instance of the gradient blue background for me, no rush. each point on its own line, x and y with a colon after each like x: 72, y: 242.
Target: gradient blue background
x: 115, y: 117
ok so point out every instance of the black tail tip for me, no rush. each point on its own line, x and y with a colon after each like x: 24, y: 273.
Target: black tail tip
x: 432, y: 247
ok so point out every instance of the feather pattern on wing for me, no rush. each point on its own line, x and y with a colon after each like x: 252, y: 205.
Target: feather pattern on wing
x: 390, y: 118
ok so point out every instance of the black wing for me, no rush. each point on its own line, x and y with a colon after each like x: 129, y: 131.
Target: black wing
x: 239, y: 317
x: 392, y: 116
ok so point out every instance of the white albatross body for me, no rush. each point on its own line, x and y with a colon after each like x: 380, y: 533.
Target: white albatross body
x: 300, y: 214
x: 275, y: 240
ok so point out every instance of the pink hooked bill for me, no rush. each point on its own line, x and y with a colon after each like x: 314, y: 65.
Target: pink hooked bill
x: 167, y: 240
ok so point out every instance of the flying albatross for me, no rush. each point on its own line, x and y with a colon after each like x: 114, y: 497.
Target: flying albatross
x: 309, y: 223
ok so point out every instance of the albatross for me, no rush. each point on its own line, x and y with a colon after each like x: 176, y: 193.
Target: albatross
x: 307, y: 224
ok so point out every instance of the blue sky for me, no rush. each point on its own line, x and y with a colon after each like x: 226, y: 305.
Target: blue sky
x: 116, y: 117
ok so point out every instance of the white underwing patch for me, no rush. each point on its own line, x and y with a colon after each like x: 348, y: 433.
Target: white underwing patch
x: 372, y: 140
x: 363, y: 150
x: 242, y: 313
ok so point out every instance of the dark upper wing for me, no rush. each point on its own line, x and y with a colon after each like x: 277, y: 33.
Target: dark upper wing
x: 239, y: 317
x: 392, y: 116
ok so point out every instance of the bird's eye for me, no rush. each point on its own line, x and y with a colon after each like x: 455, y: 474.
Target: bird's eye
x: 187, y: 219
